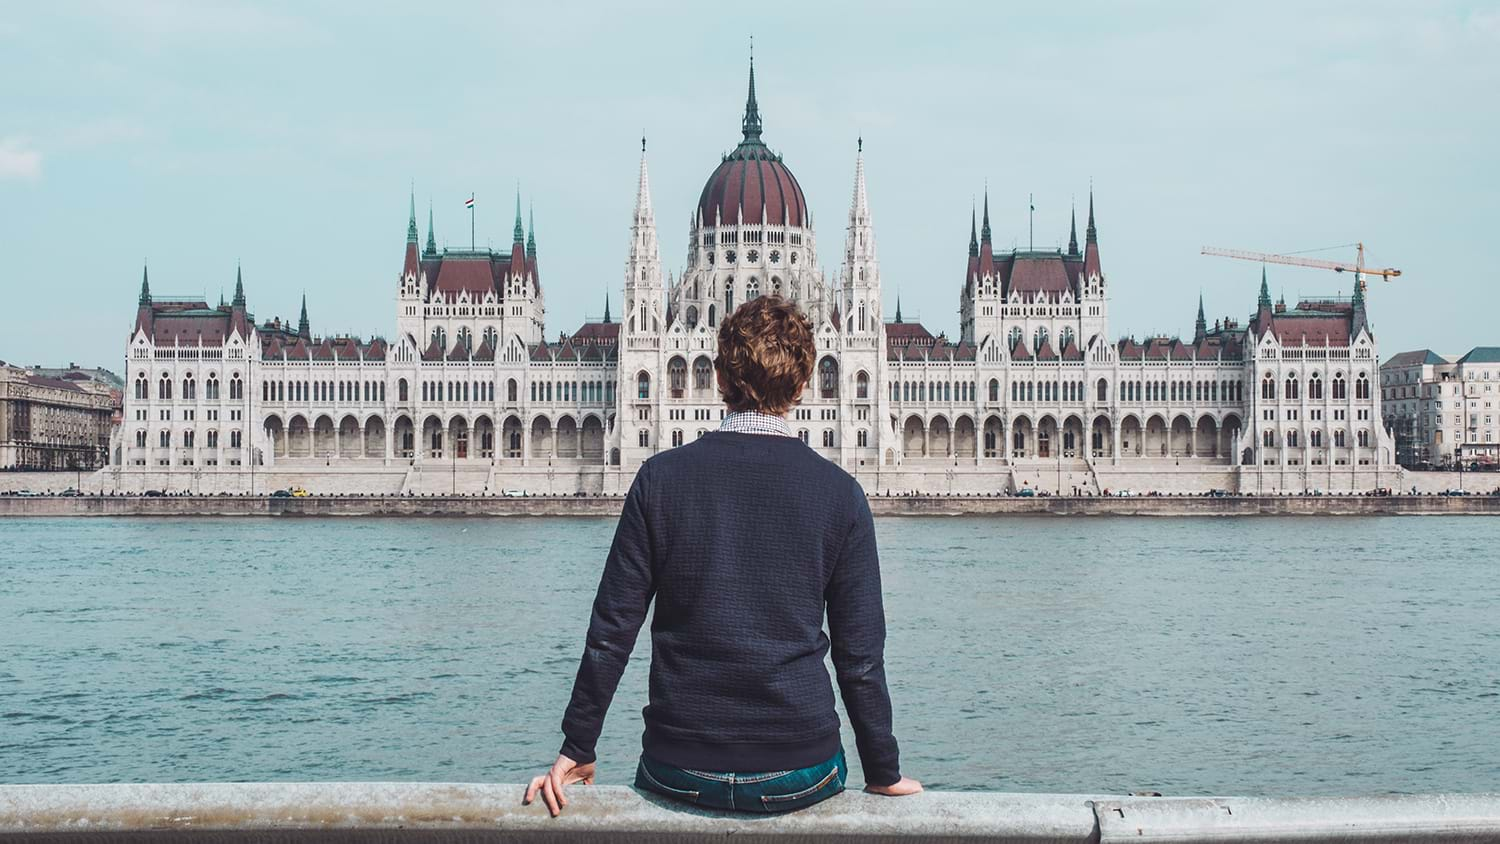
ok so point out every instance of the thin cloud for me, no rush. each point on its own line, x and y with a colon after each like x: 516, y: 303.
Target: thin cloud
x: 18, y: 161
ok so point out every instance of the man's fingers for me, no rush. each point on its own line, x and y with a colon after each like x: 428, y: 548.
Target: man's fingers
x: 536, y: 783
x: 549, y: 797
x: 557, y: 785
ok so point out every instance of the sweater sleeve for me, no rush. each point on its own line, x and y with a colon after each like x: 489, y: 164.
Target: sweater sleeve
x: 856, y: 624
x: 625, y: 592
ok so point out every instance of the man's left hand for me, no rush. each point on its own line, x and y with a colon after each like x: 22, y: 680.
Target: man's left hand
x: 564, y: 772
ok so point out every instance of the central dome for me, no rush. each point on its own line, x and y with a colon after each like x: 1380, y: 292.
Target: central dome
x: 752, y: 186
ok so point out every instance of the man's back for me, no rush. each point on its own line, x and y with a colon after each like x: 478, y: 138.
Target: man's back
x: 743, y: 538
x: 751, y: 528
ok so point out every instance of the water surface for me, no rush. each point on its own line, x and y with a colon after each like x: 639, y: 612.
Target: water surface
x: 1185, y: 655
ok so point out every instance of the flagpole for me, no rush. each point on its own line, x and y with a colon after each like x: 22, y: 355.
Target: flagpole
x: 471, y: 222
x: 1031, y: 231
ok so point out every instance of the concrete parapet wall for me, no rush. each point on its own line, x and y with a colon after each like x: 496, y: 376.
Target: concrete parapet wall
x: 609, y: 506
x: 440, y: 812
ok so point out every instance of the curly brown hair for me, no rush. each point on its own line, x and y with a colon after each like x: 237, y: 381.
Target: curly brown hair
x: 765, y: 356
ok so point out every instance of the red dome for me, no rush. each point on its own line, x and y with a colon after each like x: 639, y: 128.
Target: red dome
x: 750, y: 180
x: 751, y: 185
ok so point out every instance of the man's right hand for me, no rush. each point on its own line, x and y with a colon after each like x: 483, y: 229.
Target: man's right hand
x: 900, y: 788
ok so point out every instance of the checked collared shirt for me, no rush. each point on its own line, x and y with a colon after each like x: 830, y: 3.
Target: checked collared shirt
x: 753, y: 422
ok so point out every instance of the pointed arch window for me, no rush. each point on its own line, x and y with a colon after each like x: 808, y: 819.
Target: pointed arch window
x: 643, y: 385
x: 828, y: 378
x: 862, y: 385
x: 1015, y: 335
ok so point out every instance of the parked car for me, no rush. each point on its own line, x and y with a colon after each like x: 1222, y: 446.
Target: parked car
x: 513, y: 493
x: 299, y: 492
x: 1218, y: 493
x: 1126, y: 493
x: 25, y: 493
x: 1025, y: 492
x: 70, y: 493
x: 153, y: 493
x: 282, y: 493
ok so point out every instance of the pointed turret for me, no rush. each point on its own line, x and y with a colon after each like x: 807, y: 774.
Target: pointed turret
x: 531, y: 232
x: 645, y: 302
x: 239, y: 288
x: 1200, y: 329
x: 1091, y: 265
x: 1360, y: 321
x: 431, y: 249
x: 1265, y: 292
x: 409, y: 266
x: 898, y: 307
x: 751, y: 126
x: 411, y: 224
x: 973, y: 234
x: 143, y: 312
x: 519, y: 234
x: 304, y: 329
x: 1073, y: 233
x: 606, y: 308
x: 984, y: 232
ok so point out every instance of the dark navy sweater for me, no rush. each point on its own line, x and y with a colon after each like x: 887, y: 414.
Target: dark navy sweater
x: 743, y: 540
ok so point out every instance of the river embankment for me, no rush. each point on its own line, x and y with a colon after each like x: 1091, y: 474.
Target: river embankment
x: 609, y: 506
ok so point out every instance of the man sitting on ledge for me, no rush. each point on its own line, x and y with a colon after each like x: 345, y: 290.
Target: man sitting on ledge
x: 743, y: 537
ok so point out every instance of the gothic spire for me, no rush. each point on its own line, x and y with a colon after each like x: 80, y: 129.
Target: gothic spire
x: 1073, y: 233
x: 898, y: 307
x: 239, y: 288
x: 431, y: 237
x: 606, y: 307
x: 531, y: 231
x: 973, y: 236
x: 411, y: 225
x: 751, y: 126
x: 984, y: 231
x: 1091, y: 235
x: 643, y: 213
x: 304, y: 330
x: 519, y: 235
x: 860, y: 208
x: 145, y: 286
x: 1359, y: 292
x: 1265, y: 290
x: 1200, y: 329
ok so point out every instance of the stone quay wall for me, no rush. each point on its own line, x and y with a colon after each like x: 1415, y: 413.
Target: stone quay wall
x: 474, y: 812
x: 609, y: 506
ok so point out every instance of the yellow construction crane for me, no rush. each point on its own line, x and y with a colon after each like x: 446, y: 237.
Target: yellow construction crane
x: 1358, y: 267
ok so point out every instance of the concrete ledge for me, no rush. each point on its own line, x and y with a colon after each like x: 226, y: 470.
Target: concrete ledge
x: 441, y: 812
x: 609, y: 506
x: 470, y: 812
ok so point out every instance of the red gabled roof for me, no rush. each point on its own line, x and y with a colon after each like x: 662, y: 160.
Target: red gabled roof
x: 541, y: 353
x: 597, y: 333
x: 1019, y: 351
x: 433, y: 351
x: 1046, y: 352
x: 1029, y: 273
x: 476, y: 276
x: 1332, y: 330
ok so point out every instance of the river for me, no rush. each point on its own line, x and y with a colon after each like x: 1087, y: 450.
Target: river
x: 1105, y: 655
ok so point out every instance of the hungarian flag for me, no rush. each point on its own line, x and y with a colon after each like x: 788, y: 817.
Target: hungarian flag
x: 469, y: 203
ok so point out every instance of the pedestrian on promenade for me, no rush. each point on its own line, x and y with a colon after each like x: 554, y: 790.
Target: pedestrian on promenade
x: 744, y: 538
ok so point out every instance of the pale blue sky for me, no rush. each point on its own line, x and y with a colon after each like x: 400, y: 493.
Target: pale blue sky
x: 198, y: 134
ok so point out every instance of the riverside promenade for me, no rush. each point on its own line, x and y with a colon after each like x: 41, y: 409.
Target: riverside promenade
x: 462, y: 812
x: 909, y: 505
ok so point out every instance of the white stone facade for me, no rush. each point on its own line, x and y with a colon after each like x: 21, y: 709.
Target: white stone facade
x: 469, y: 397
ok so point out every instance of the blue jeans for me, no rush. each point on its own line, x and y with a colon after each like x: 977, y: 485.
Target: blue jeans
x: 773, y: 791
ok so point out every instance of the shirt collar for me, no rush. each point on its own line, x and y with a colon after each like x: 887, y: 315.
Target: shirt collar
x: 754, y: 422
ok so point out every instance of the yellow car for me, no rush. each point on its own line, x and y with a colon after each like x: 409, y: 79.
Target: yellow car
x: 299, y: 492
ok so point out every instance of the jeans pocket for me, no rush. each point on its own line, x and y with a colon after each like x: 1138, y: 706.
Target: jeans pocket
x: 811, y: 794
x: 649, y: 781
